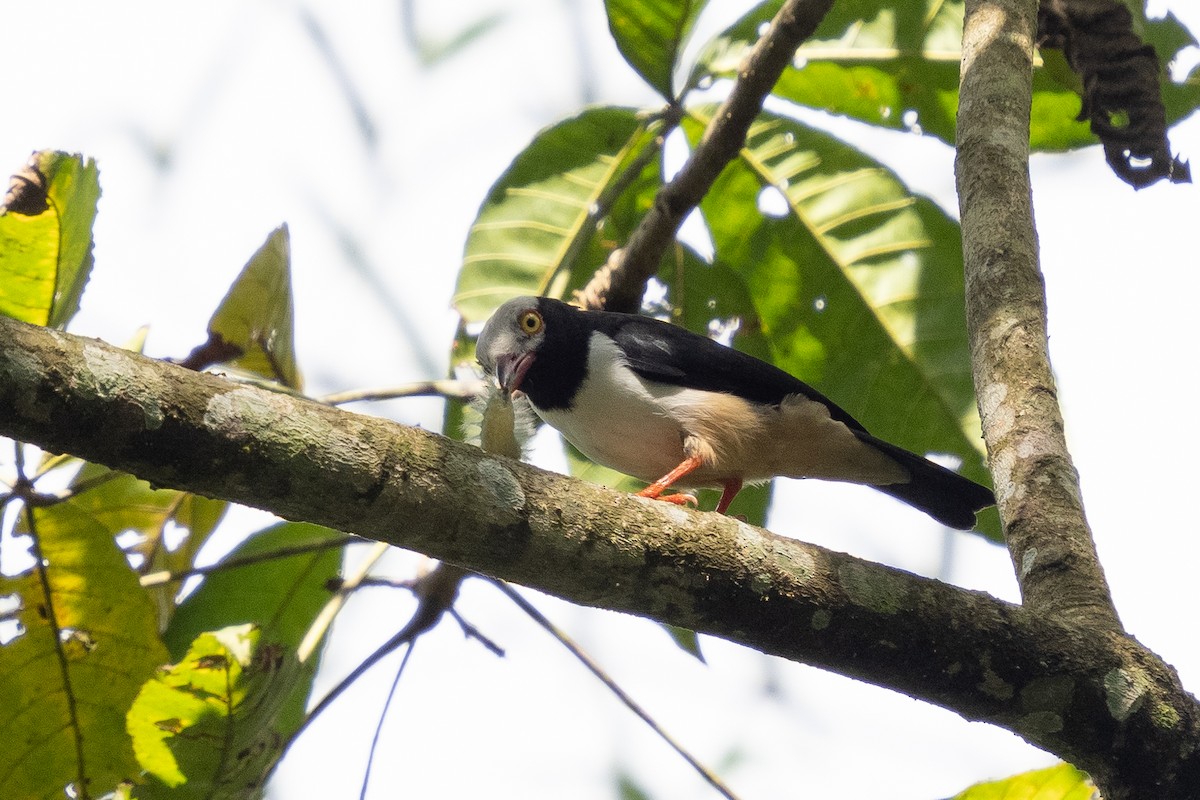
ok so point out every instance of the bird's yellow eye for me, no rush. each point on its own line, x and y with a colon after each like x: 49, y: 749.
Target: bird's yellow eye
x: 530, y: 322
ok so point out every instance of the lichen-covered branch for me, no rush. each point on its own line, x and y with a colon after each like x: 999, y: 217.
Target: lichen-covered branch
x: 1097, y: 699
x: 1037, y: 487
x: 620, y: 284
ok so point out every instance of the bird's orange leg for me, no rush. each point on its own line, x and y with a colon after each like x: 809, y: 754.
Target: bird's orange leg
x: 732, y: 487
x: 655, y: 490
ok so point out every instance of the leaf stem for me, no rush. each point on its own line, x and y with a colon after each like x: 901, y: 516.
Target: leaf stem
x: 24, y: 486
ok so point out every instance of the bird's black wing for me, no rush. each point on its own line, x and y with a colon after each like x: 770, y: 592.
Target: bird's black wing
x: 666, y: 353
x: 669, y: 354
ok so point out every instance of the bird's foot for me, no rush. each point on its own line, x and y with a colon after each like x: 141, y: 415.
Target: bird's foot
x: 679, y: 499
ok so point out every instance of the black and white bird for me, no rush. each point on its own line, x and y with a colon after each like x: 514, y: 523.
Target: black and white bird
x: 674, y: 408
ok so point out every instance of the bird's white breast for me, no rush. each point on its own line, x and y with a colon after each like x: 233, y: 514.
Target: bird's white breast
x: 618, y: 419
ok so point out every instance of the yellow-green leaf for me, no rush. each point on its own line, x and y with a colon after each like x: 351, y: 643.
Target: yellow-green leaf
x: 87, y: 641
x: 46, y: 237
x: 281, y: 596
x: 203, y: 728
x: 539, y: 216
x: 255, y: 318
x: 121, y: 503
x: 1061, y: 782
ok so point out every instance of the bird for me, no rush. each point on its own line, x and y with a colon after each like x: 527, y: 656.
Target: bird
x: 677, y: 409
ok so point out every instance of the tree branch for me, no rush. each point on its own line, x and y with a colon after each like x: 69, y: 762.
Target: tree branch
x: 620, y: 284
x: 1037, y: 487
x: 1097, y: 699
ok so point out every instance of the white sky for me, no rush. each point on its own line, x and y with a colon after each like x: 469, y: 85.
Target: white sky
x: 251, y: 129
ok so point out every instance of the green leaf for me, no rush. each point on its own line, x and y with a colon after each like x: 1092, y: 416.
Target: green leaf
x: 255, y: 318
x: 1169, y: 38
x: 621, y: 203
x: 1062, y: 782
x: 857, y: 285
x: 651, y: 34
x: 687, y: 641
x: 867, y: 61
x: 703, y: 295
x: 1167, y: 35
x: 199, y: 516
x: 120, y: 503
x: 88, y: 641
x: 896, y: 66
x: 279, y: 596
x: 204, y: 727
x: 628, y: 788
x: 46, y: 238
x: 538, y: 218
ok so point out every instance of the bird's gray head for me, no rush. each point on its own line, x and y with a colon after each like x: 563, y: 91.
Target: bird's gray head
x: 509, y: 342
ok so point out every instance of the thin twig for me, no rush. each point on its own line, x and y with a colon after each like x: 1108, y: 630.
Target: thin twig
x: 362, y: 794
x: 377, y: 582
x: 453, y: 389
x: 316, y: 631
x: 629, y: 702
x: 49, y: 464
x: 415, y: 627
x: 593, y: 295
x: 151, y: 558
x: 56, y: 461
x: 439, y: 590
x: 167, y: 576
x: 56, y: 631
x: 36, y: 499
x: 629, y: 269
x: 471, y: 632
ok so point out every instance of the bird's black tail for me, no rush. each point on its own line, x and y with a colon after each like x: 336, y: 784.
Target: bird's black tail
x: 945, y: 495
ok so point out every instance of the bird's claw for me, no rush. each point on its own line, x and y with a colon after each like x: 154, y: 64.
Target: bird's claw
x: 679, y: 499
